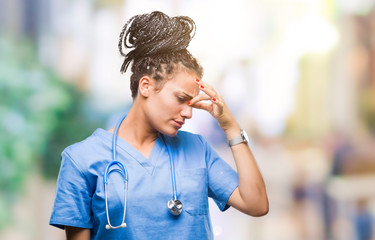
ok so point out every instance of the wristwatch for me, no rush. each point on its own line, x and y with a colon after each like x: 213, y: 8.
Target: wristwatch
x: 243, y: 138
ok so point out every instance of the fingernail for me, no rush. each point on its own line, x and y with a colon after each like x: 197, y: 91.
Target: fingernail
x: 214, y: 99
x: 197, y: 80
x: 201, y: 86
x: 188, y: 103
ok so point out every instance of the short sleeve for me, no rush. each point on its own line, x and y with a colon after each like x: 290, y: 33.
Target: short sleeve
x: 72, y: 206
x: 222, y: 178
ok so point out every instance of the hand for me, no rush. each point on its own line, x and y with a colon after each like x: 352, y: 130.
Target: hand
x: 217, y: 108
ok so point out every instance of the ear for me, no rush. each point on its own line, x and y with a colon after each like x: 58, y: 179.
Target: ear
x: 145, y: 86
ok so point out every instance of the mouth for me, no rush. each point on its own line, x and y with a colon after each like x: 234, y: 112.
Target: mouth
x: 178, y: 123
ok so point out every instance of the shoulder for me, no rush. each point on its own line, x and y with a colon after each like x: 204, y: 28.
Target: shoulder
x: 88, y: 144
x: 187, y: 135
x: 94, y: 147
x: 187, y: 141
x: 188, y: 138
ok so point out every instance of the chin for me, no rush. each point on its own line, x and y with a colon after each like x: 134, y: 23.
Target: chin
x: 172, y: 132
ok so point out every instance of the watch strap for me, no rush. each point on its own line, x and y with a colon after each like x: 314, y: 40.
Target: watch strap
x: 237, y: 140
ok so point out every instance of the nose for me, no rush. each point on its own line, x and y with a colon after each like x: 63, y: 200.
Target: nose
x: 187, y: 112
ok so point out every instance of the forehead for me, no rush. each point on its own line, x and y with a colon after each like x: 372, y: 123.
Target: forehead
x: 183, y: 81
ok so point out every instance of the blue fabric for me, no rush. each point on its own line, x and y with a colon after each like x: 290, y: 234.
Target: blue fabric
x: 200, y: 173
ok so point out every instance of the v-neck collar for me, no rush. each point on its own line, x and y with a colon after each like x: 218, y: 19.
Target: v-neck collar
x: 147, y: 163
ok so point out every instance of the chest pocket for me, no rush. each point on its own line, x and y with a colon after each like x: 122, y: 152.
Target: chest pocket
x: 193, y: 191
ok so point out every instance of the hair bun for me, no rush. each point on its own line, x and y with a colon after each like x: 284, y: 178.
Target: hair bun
x: 155, y: 33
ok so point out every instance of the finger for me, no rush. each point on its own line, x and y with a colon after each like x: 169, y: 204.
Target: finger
x: 208, y: 89
x: 217, y: 102
x: 199, y: 98
x: 202, y: 105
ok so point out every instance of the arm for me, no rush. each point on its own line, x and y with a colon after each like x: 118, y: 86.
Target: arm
x: 75, y: 233
x: 250, y: 196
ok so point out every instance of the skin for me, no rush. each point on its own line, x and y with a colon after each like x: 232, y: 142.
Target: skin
x: 164, y: 110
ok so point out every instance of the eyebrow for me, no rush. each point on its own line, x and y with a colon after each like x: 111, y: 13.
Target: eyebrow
x: 189, y: 96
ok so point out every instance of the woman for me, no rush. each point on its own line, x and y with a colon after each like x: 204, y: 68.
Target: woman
x: 154, y: 157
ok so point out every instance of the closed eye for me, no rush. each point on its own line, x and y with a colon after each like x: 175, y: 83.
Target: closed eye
x: 181, y: 99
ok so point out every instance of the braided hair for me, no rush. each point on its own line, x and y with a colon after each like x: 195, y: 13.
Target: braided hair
x: 158, y: 44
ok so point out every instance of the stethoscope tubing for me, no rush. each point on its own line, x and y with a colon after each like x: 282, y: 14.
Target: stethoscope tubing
x: 123, y: 224
x: 175, y: 206
x: 114, y: 144
x: 173, y: 176
x: 124, y: 172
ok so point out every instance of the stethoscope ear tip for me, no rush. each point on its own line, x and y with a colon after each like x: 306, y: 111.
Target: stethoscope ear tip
x: 123, y: 225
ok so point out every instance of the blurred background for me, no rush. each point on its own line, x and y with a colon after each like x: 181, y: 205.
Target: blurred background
x: 299, y: 75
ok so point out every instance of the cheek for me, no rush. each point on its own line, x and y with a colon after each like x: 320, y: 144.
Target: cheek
x: 164, y: 106
x: 168, y: 101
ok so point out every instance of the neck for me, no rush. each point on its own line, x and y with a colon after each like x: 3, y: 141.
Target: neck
x: 136, y: 129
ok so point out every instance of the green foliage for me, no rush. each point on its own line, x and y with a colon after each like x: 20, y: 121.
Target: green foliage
x: 39, y: 116
x: 75, y: 123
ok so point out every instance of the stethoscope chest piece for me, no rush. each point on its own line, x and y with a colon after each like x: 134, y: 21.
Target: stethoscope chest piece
x: 175, y: 206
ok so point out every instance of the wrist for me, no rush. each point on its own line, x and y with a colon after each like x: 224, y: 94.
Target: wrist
x: 242, y: 138
x: 232, y: 132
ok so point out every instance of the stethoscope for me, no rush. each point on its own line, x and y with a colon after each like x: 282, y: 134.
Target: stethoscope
x: 174, y: 205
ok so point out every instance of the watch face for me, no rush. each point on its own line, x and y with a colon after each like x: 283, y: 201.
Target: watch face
x: 244, y: 135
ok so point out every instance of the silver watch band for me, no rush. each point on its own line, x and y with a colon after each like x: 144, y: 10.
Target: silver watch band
x: 239, y: 139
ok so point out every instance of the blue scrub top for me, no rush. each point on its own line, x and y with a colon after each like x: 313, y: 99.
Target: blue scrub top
x: 200, y: 173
